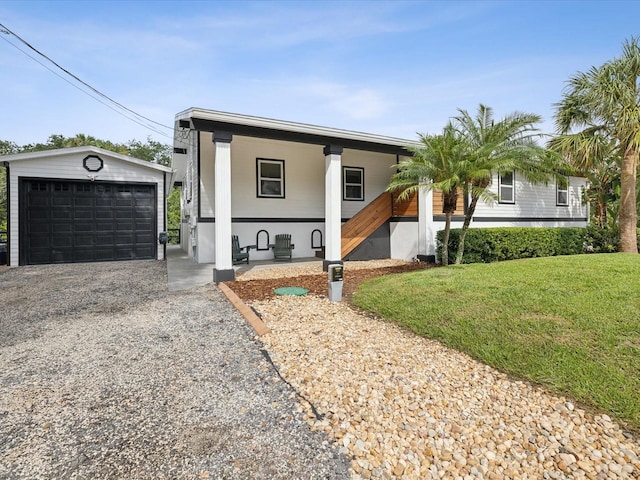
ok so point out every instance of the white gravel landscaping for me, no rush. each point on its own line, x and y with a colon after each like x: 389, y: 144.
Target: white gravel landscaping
x: 406, y: 407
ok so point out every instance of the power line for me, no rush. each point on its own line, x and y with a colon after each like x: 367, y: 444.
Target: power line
x: 126, y: 112
x: 133, y: 119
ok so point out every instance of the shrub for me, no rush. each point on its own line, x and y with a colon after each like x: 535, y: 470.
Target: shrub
x: 602, y: 239
x: 485, y: 245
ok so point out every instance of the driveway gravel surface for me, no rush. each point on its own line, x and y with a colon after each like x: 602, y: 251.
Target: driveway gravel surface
x: 104, y: 374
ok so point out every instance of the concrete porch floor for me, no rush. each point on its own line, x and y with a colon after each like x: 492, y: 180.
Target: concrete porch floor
x: 184, y: 273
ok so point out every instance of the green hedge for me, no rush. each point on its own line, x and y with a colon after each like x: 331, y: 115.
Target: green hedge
x: 484, y: 245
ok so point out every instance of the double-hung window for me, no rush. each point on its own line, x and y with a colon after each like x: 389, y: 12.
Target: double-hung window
x: 353, y: 183
x: 562, y: 192
x: 270, y: 178
x: 506, y: 188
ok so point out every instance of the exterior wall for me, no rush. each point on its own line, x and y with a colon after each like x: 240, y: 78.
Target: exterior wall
x: 536, y: 201
x: 404, y: 240
x: 190, y: 197
x: 377, y: 172
x: 70, y: 168
x: 535, y: 206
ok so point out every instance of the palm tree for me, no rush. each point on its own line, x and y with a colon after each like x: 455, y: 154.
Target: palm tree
x: 597, y: 158
x: 499, y: 147
x: 438, y: 163
x: 605, y: 101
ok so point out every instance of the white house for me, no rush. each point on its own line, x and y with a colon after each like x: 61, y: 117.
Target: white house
x: 84, y: 204
x: 257, y: 177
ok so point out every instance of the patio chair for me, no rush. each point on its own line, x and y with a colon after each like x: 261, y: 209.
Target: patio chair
x: 283, y: 246
x: 237, y: 251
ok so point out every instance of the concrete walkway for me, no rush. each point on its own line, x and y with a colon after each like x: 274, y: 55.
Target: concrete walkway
x: 184, y: 273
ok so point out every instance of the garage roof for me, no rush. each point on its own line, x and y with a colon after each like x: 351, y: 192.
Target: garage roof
x: 83, y: 150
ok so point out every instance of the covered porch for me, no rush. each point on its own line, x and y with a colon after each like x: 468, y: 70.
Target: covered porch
x: 225, y: 151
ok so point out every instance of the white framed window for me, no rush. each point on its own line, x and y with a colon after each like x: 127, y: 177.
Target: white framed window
x: 562, y: 192
x: 270, y: 178
x: 506, y: 187
x: 353, y: 183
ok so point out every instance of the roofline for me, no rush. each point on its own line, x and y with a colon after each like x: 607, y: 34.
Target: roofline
x: 211, y: 120
x: 83, y: 149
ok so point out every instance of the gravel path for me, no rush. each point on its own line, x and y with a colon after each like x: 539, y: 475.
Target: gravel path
x: 407, y: 407
x: 104, y: 374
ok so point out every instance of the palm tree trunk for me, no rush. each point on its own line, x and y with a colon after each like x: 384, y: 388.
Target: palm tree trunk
x: 445, y: 240
x: 465, y: 226
x: 628, y: 213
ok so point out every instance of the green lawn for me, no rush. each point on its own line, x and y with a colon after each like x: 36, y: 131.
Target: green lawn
x: 570, y: 323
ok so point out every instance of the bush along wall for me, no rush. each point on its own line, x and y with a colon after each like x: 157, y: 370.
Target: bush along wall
x: 484, y: 245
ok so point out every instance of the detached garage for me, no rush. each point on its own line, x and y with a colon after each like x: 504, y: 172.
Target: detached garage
x: 84, y: 204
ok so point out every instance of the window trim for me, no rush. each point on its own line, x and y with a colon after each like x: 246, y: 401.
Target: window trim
x: 275, y: 161
x: 565, y: 190
x: 344, y: 184
x: 512, y: 186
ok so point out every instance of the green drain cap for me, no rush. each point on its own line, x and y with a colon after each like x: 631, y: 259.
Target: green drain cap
x: 297, y: 291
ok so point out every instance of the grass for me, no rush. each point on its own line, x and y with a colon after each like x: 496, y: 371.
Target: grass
x: 569, y: 323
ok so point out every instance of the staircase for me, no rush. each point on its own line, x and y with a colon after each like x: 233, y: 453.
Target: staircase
x: 365, y: 222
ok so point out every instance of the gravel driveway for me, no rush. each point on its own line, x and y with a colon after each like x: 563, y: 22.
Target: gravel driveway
x: 104, y: 374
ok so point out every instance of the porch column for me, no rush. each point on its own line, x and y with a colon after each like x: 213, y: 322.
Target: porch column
x: 223, y: 270
x: 426, y: 227
x: 332, y: 205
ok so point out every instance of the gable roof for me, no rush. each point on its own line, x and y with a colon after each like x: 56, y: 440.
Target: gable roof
x: 88, y: 150
x: 250, y: 126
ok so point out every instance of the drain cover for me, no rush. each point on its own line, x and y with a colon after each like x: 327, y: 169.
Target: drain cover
x: 297, y: 291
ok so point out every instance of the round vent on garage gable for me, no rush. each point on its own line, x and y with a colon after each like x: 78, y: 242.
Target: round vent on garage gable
x: 92, y: 163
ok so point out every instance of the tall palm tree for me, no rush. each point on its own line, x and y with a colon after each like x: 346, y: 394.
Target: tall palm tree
x: 606, y: 101
x: 499, y: 147
x: 438, y: 163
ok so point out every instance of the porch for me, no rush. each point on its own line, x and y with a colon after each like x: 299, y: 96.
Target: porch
x: 185, y: 273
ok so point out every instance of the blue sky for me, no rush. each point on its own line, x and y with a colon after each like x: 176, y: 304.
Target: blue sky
x: 392, y: 68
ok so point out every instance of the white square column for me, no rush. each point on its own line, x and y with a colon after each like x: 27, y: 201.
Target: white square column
x: 223, y: 270
x: 332, y: 205
x: 426, y: 226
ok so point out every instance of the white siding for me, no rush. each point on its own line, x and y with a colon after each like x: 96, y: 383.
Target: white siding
x: 70, y: 167
x: 377, y: 172
x: 535, y: 206
x: 536, y: 201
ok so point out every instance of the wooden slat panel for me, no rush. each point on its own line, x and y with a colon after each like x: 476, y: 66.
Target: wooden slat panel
x: 405, y: 208
x: 438, y: 202
x: 365, y: 222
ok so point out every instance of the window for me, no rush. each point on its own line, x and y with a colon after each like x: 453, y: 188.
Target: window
x: 562, y: 192
x: 270, y: 178
x: 506, y: 190
x: 353, y: 183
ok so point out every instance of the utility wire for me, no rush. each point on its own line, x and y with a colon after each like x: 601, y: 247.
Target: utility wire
x: 133, y: 119
x: 7, y: 31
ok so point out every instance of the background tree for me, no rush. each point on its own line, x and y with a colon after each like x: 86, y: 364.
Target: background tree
x: 439, y: 163
x: 6, y: 148
x: 605, y: 101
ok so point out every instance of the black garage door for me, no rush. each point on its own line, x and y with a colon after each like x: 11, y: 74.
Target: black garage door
x: 67, y: 222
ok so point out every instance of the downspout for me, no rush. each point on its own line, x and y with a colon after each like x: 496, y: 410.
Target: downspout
x: 164, y: 217
x: 8, y: 182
